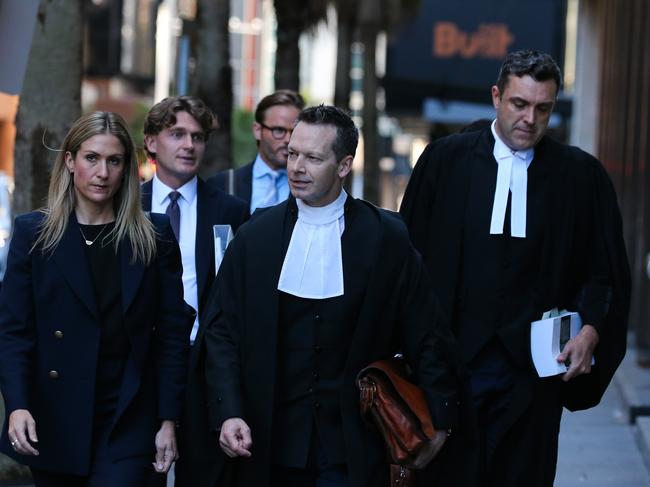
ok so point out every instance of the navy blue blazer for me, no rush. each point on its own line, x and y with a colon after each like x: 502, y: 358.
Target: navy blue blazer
x: 242, y: 182
x: 214, y: 207
x: 49, y: 341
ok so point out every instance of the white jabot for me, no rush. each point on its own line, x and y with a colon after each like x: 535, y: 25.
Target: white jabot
x: 512, y: 175
x: 313, y: 265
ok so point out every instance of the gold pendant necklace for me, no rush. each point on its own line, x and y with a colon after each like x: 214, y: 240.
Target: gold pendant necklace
x: 90, y: 242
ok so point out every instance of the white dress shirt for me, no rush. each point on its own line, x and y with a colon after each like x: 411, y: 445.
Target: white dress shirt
x: 186, y: 236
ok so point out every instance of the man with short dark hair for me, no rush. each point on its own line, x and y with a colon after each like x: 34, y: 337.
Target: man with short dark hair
x: 512, y: 224
x: 175, y: 133
x: 311, y: 291
x: 263, y: 182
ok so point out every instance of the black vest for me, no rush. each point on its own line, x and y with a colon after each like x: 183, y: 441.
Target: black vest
x: 313, y: 340
x: 498, y: 272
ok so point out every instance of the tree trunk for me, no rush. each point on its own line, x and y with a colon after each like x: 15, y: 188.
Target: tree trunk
x: 213, y: 79
x: 369, y: 26
x: 343, y: 85
x: 50, y: 100
x: 370, y: 162
x: 287, y: 54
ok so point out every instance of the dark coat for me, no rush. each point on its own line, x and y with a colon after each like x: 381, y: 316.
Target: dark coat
x: 242, y: 181
x: 584, y: 236
x: 197, y: 445
x: 44, y: 294
x: 397, y: 313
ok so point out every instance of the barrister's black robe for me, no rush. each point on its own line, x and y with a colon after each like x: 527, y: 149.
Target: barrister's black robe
x: 583, y: 239
x: 397, y: 314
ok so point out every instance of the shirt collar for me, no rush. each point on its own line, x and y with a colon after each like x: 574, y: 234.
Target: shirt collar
x: 160, y: 191
x: 322, y: 215
x: 501, y: 150
x: 261, y: 169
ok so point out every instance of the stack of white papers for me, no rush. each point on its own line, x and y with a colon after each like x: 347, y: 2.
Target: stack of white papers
x: 222, y: 237
x: 548, y: 337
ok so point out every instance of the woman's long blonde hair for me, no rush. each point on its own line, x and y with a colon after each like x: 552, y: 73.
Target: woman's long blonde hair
x: 130, y: 219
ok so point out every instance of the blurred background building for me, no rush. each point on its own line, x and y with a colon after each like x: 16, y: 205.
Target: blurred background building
x: 409, y: 71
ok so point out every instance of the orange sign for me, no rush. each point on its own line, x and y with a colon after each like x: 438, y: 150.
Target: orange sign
x: 489, y: 41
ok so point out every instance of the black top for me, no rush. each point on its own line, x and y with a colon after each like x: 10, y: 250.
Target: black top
x: 105, y: 268
x: 114, y: 342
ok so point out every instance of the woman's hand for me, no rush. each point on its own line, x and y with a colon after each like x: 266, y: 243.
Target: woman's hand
x: 166, y: 451
x: 22, y: 432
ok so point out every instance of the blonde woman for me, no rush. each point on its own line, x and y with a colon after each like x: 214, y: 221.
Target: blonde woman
x: 93, y: 327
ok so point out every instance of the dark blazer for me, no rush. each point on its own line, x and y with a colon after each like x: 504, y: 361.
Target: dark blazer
x: 214, y: 207
x: 242, y: 182
x: 197, y: 445
x: 49, y: 338
x: 397, y: 313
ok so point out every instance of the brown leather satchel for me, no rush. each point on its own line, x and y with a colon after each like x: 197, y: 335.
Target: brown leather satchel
x: 400, y: 412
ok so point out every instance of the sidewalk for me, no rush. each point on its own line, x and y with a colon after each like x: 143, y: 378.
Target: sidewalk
x: 598, y: 447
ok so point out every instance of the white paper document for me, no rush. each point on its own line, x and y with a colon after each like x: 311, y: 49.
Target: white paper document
x: 222, y: 237
x: 548, y: 337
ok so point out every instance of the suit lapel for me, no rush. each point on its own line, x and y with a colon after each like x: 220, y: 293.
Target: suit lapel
x: 267, y: 252
x: 245, y: 183
x: 208, y: 213
x: 358, y: 260
x: 146, y: 194
x: 70, y: 257
x: 131, y: 274
x: 450, y: 208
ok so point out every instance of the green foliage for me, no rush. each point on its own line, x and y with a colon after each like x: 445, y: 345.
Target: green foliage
x: 244, y: 148
x: 136, y: 126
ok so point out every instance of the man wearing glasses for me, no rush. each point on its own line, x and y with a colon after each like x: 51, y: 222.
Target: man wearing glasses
x: 264, y: 182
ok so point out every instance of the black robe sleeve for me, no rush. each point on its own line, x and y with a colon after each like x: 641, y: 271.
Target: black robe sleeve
x: 427, y: 343
x: 604, y: 295
x: 417, y: 205
x: 222, y: 340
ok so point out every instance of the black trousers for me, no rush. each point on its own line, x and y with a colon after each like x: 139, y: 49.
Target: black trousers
x: 518, y: 419
x: 334, y: 476
x: 131, y: 472
x: 318, y: 472
x: 104, y: 472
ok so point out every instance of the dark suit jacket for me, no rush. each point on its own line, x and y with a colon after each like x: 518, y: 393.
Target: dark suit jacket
x: 242, y: 182
x: 44, y: 294
x: 197, y: 445
x: 214, y: 207
x: 397, y: 313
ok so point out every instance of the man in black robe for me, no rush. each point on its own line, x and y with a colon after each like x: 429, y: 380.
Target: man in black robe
x: 311, y: 291
x: 512, y: 224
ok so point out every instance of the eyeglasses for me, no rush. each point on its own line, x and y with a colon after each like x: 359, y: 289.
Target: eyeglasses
x: 278, y: 133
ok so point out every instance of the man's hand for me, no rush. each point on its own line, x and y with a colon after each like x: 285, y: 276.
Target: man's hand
x: 579, y: 351
x: 166, y: 451
x: 430, y: 450
x: 235, y: 438
x: 22, y: 431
